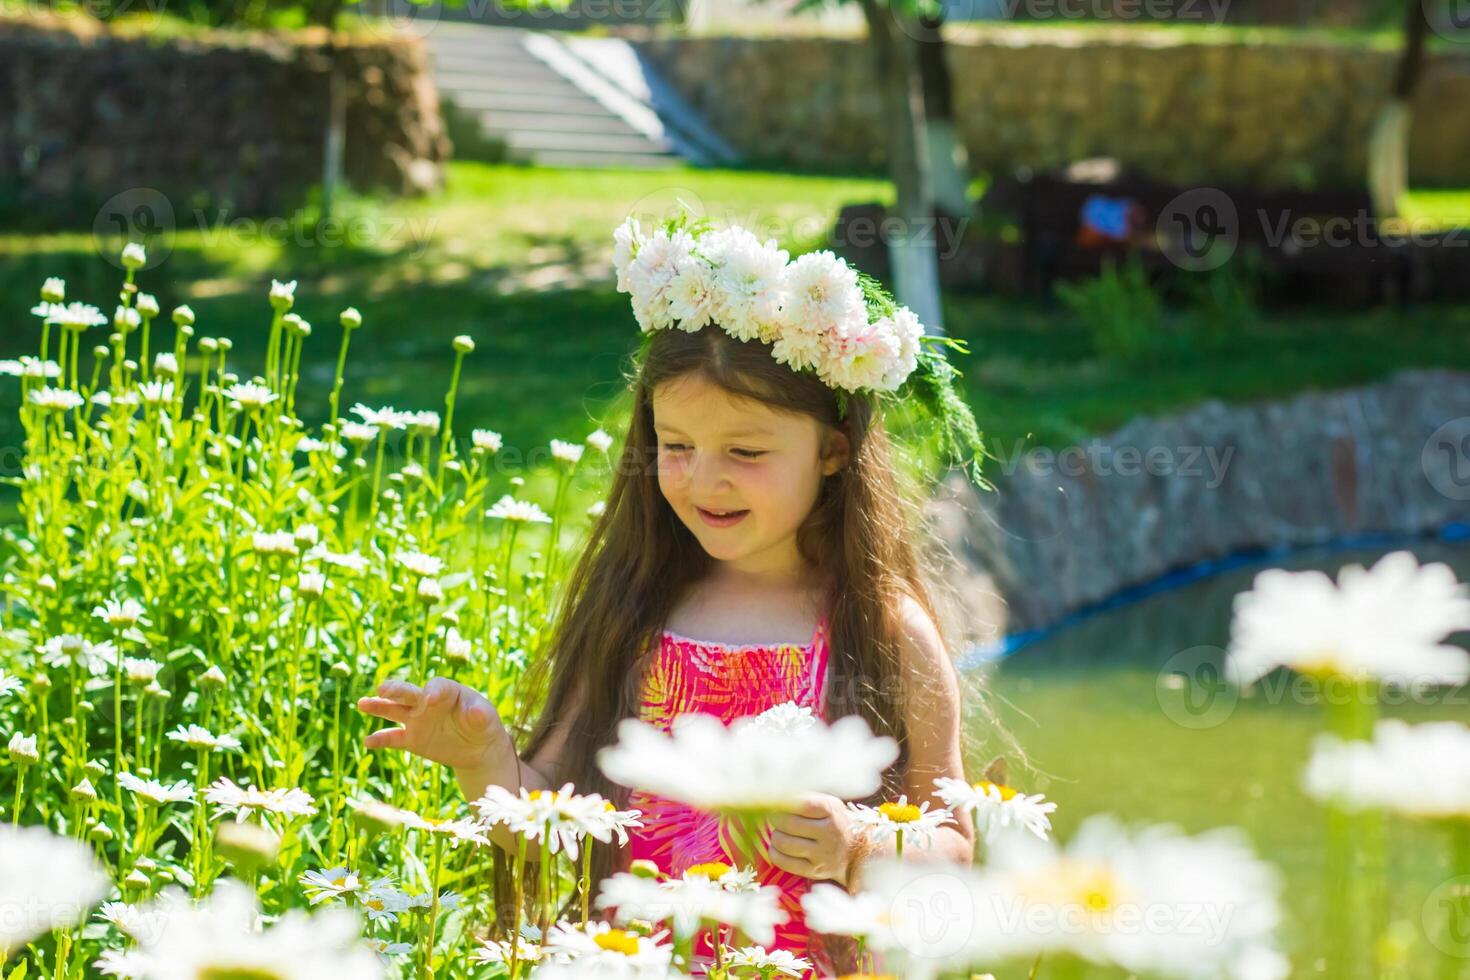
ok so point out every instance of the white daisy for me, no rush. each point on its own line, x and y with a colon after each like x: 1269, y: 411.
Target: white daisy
x: 1418, y: 771
x: 381, y: 418
x: 507, y: 508
x: 10, y: 684
x: 566, y: 452
x: 571, y: 950
x: 156, y: 792
x: 225, y: 938
x: 69, y: 648
x: 120, y: 614
x: 76, y: 316
x: 227, y: 797
x: 419, y: 564
x: 55, y: 399
x: 769, y: 963
x: 249, y: 396
x: 46, y: 882
x: 1388, y: 622
x: 833, y: 910
x: 996, y: 806
x: 197, y: 737
x: 917, y: 824
x: 747, y: 766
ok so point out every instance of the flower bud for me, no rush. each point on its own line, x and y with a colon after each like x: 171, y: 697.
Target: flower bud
x: 464, y: 344
x: 350, y: 318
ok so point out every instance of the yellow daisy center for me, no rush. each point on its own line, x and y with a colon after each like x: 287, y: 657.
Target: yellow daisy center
x: 900, y: 812
x: 1006, y: 792
x: 618, y: 941
x: 710, y: 869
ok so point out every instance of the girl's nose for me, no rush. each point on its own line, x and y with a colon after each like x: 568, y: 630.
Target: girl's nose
x: 708, y: 475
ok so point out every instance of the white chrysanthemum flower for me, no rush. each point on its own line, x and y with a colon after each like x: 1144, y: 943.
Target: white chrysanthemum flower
x: 747, y: 767
x: 76, y: 316
x: 821, y: 291
x: 418, y: 563
x: 120, y: 613
x: 383, y: 904
x: 53, y: 289
x: 457, y: 647
x: 599, y: 440
x: 486, y: 441
x: 156, y: 792
x: 1386, y: 623
x: 55, y: 399
x: 650, y: 276
x: 134, y: 256
x: 769, y: 963
x: 455, y: 831
x: 46, y: 882
x: 166, y: 365
x: 125, y: 319
x: 225, y: 938
x: 799, y: 350
x: 70, y: 649
x: 387, y: 949
x: 750, y: 276
x: 917, y: 824
x: 507, y: 508
x: 861, y: 359
x: 198, y: 737
x: 249, y: 396
x: 1418, y: 771
x: 693, y: 296
x: 381, y: 418
x: 627, y: 238
x: 244, y: 801
x: 600, y: 948
x: 995, y: 806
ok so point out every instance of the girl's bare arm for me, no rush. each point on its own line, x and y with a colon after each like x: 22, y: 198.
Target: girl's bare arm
x: 449, y: 723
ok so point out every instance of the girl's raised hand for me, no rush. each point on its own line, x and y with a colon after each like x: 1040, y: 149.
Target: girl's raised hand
x: 443, y: 721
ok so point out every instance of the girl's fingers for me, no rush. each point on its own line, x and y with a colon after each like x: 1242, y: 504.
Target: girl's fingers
x: 383, y: 708
x: 791, y: 845
x: 401, y: 691
x: 388, y: 738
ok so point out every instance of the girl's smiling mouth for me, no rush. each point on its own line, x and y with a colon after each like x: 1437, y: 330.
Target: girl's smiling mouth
x: 726, y: 519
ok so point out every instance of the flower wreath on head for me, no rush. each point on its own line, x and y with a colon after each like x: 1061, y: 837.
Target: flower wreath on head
x: 819, y: 315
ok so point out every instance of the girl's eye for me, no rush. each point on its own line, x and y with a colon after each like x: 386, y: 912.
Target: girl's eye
x: 749, y: 453
x: 674, y: 447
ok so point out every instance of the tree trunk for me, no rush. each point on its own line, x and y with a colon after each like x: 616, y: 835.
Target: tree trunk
x: 1388, y: 146
x: 948, y: 162
x: 911, y: 248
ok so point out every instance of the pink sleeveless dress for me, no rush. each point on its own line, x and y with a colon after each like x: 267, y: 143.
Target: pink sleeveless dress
x: 729, y: 682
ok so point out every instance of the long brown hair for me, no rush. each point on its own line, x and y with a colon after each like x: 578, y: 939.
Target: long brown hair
x: 641, y: 559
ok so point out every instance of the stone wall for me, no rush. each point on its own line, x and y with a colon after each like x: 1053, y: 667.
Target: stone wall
x: 1065, y: 530
x: 1268, y: 112
x: 234, y: 120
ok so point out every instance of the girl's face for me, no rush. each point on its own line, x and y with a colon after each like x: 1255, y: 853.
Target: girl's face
x: 725, y: 454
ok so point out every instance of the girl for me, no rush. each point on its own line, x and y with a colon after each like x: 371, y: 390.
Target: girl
x: 756, y: 548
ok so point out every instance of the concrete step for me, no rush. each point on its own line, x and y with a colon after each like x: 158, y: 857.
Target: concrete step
x: 552, y: 103
x: 456, y: 62
x: 524, y: 122
x: 608, y: 143
x: 603, y: 161
x: 460, y: 81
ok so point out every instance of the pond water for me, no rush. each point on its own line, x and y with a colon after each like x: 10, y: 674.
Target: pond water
x: 1124, y: 712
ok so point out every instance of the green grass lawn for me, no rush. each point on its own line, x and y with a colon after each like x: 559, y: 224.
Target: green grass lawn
x: 519, y: 258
